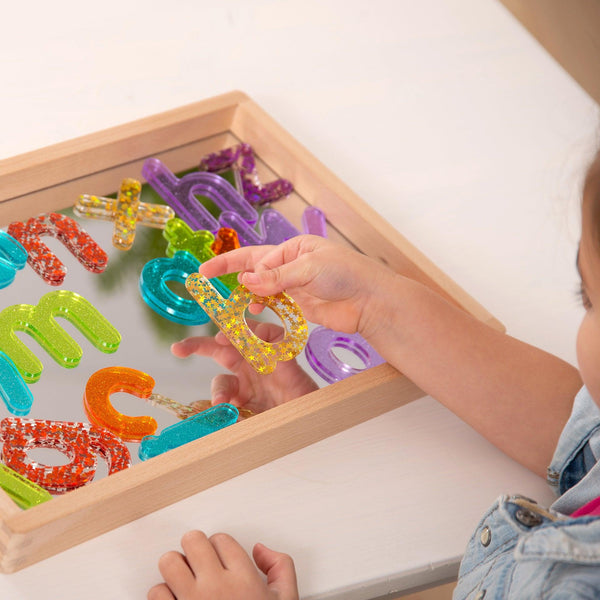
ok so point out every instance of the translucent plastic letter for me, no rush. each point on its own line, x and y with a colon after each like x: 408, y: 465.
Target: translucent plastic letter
x: 240, y: 158
x: 13, y: 390
x: 273, y: 227
x: 228, y: 314
x: 226, y: 240
x: 100, y: 411
x: 180, y: 195
x: 161, y: 299
x: 65, y: 229
x: 40, y: 323
x: 126, y: 212
x: 198, y: 243
x: 314, y: 221
x: 23, y: 492
x: 193, y: 428
x: 13, y: 257
x: 182, y: 237
x: 320, y: 353
x: 78, y: 441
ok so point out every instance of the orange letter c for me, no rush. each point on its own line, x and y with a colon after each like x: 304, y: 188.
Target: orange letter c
x: 100, y: 411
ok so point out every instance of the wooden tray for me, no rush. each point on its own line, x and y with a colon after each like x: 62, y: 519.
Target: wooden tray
x: 51, y: 178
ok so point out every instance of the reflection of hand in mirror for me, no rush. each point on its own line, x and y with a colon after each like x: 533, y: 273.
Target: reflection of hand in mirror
x: 244, y: 387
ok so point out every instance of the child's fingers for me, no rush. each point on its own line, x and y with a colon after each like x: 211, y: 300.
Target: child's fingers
x: 224, y: 388
x: 250, y: 258
x: 176, y: 572
x: 240, y: 259
x: 200, y: 553
x: 231, y: 554
x: 256, y: 309
x: 279, y: 569
x: 269, y: 332
x: 266, y: 282
x: 204, y: 346
x: 223, y: 353
x: 160, y: 592
x: 288, y: 251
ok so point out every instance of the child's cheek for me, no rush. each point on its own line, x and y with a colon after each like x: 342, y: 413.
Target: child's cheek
x: 588, y: 353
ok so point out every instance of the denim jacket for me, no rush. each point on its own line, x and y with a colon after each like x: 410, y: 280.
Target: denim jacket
x: 523, y: 551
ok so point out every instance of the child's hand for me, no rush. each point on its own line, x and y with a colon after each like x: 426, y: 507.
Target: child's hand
x: 218, y: 568
x: 331, y: 283
x: 244, y: 387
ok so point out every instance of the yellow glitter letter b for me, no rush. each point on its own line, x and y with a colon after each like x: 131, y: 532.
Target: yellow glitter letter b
x: 228, y: 314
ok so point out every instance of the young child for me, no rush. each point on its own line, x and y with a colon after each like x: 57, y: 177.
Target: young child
x: 519, y: 550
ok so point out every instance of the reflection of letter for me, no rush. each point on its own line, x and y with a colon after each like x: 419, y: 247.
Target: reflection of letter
x: 314, y: 221
x: 128, y: 204
x: 23, y: 492
x: 180, y: 195
x: 198, y: 243
x: 182, y: 237
x: 228, y: 314
x: 320, y: 353
x: 162, y: 300
x: 226, y: 240
x: 240, y: 158
x: 12, y: 258
x: 78, y: 441
x: 126, y: 212
x: 13, y: 390
x: 101, y: 412
x: 273, y: 227
x: 65, y: 229
x: 39, y: 322
x: 192, y: 428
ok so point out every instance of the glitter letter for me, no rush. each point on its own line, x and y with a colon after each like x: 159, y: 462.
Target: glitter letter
x: 180, y: 195
x: 228, y: 314
x: 226, y: 240
x: 240, y: 158
x: 320, y: 353
x: 198, y: 243
x: 273, y: 227
x: 192, y: 428
x: 78, y: 441
x: 126, y: 212
x: 12, y: 258
x: 100, y: 412
x: 162, y: 300
x: 40, y: 323
x: 23, y: 492
x: 13, y: 390
x: 65, y: 229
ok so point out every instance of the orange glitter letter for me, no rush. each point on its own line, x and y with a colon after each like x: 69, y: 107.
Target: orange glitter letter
x: 100, y: 411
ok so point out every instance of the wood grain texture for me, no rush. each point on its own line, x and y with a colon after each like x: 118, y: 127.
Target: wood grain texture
x: 94, y: 153
x: 70, y: 519
x: 52, y: 178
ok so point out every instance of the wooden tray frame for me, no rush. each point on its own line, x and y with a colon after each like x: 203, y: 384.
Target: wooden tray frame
x: 49, y: 179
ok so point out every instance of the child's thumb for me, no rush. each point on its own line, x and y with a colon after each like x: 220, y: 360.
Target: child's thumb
x: 279, y: 569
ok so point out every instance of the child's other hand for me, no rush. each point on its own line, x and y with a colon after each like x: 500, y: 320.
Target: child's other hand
x: 331, y: 283
x: 218, y: 568
x: 244, y: 387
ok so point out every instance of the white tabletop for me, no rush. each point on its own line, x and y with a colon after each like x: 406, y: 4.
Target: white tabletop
x: 456, y: 126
